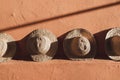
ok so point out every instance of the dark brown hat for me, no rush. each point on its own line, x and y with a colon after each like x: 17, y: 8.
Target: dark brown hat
x: 7, y: 47
x: 112, y: 44
x: 79, y: 44
x: 42, y: 44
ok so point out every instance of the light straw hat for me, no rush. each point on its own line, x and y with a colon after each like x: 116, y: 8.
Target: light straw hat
x: 112, y: 44
x: 7, y: 47
x: 79, y: 44
x: 42, y: 45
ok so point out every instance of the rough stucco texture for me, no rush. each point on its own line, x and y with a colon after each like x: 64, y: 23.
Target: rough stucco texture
x: 20, y: 17
x: 60, y: 70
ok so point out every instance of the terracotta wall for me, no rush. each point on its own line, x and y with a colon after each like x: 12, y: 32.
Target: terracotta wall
x: 20, y: 17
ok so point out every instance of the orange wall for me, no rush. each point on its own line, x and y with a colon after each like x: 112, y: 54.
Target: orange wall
x: 20, y: 17
x: 36, y: 14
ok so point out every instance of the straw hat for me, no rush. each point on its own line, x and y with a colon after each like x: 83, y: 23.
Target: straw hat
x: 79, y: 44
x: 112, y: 44
x: 42, y: 45
x: 7, y: 47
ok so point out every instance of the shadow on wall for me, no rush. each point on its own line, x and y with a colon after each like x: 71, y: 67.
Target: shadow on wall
x: 21, y: 51
x: 60, y: 52
x: 22, y: 54
x: 100, y: 40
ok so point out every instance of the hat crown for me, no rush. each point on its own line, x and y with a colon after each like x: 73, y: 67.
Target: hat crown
x: 80, y: 46
x: 43, y: 44
x: 114, y: 43
x: 40, y: 44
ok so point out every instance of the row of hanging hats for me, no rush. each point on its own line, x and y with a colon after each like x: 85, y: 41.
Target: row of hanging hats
x: 79, y: 44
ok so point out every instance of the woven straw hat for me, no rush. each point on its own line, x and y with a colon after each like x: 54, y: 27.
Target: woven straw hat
x: 112, y: 44
x: 7, y: 47
x: 42, y: 45
x: 79, y: 44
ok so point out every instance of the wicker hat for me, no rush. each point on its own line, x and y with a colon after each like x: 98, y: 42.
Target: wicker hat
x: 112, y: 44
x: 42, y: 45
x: 7, y: 47
x: 79, y: 44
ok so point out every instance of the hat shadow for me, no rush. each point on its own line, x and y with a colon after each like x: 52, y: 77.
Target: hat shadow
x: 22, y: 54
x: 100, y: 41
x: 21, y: 51
x: 60, y: 54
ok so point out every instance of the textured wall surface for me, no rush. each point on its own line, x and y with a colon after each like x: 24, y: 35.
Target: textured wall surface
x: 20, y: 17
x: 60, y: 70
